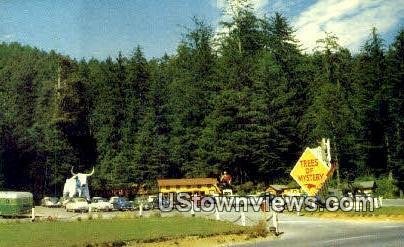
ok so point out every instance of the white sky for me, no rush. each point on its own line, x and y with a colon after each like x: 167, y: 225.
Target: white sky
x: 350, y: 20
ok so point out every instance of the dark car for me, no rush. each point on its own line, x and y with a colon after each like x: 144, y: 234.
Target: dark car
x: 144, y: 202
x: 121, y: 203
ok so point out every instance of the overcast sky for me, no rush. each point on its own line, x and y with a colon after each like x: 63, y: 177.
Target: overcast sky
x: 99, y: 29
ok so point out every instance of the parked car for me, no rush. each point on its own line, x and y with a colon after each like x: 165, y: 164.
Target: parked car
x: 51, y: 202
x: 64, y: 201
x: 152, y: 199
x: 136, y: 204
x: 121, y: 203
x: 146, y: 204
x: 153, y: 202
x: 77, y: 205
x: 100, y: 204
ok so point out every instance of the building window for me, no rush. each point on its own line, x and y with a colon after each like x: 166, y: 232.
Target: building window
x: 177, y: 187
x: 199, y: 186
x: 167, y: 187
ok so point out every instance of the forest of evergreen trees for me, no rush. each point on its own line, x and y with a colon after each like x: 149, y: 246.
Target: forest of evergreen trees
x: 248, y: 101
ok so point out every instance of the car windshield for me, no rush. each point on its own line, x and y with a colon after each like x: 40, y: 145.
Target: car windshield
x: 99, y: 200
x: 53, y: 199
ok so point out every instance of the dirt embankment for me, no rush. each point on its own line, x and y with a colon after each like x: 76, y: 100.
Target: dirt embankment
x: 361, y: 217
x: 226, y: 240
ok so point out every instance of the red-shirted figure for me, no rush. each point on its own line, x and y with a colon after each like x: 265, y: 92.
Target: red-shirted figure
x: 225, y: 179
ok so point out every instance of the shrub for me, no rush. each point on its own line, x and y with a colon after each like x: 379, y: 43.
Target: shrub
x: 386, y: 188
x: 259, y: 230
x: 260, y: 187
x: 246, y: 188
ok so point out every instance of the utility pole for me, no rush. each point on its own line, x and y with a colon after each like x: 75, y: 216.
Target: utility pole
x: 337, y: 165
x: 336, y: 157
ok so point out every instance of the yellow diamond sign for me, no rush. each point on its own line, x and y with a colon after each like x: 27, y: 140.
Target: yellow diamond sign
x: 310, y: 172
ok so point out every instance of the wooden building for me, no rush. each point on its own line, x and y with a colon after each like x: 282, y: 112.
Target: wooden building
x: 276, y: 189
x: 284, y: 190
x: 365, y: 187
x: 200, y: 186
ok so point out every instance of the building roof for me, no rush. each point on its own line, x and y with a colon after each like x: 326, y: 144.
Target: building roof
x: 282, y: 187
x: 365, y: 184
x: 15, y: 194
x: 278, y: 187
x: 186, y: 181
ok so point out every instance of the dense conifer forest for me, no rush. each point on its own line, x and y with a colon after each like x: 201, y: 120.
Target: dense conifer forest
x: 248, y: 101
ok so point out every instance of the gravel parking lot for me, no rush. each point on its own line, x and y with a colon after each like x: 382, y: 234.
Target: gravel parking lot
x: 44, y: 213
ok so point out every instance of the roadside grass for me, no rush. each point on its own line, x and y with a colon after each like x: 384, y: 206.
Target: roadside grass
x: 389, y: 211
x: 111, y: 232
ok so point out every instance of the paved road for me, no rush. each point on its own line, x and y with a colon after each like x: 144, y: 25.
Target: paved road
x: 297, y: 230
x: 310, y: 231
x: 393, y: 202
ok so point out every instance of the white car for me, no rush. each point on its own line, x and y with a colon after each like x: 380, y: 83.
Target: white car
x: 51, y: 202
x: 100, y: 204
x: 77, y: 205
